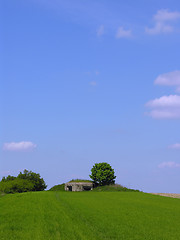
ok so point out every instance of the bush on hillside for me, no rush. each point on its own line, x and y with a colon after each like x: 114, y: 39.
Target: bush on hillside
x: 24, y: 182
x: 16, y: 186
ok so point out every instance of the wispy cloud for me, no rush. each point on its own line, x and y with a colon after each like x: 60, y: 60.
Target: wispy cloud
x: 19, y: 146
x: 169, y: 165
x: 123, y: 33
x: 160, y: 27
x: 169, y: 79
x: 175, y: 146
x: 97, y: 72
x: 165, y: 15
x: 93, y: 83
x: 163, y: 22
x: 92, y: 73
x: 164, y: 114
x: 96, y: 14
x: 100, y: 31
x: 165, y: 107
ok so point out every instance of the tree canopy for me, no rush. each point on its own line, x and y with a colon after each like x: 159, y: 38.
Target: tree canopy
x: 24, y: 182
x: 102, y: 174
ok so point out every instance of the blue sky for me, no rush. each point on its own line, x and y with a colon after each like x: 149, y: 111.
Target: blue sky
x: 91, y: 81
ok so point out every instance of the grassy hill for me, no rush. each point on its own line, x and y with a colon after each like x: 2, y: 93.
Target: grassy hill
x: 59, y: 187
x: 113, y: 188
x: 54, y: 215
x: 106, y: 188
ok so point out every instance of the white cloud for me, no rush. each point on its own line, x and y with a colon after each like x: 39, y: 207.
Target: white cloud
x: 122, y: 33
x: 175, y: 146
x: 165, y: 101
x: 161, y: 19
x: 164, y: 114
x: 93, y: 83
x: 165, y: 107
x: 165, y: 15
x: 169, y: 165
x: 169, y: 79
x: 19, y: 146
x: 159, y: 28
x: 100, y: 31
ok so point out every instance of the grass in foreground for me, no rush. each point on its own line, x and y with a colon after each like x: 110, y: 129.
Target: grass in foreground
x: 89, y: 216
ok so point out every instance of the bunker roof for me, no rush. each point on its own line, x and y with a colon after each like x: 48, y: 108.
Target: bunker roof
x: 79, y: 183
x: 80, y: 180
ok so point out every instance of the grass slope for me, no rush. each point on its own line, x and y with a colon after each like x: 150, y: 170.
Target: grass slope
x: 59, y: 187
x: 113, y: 188
x: 89, y: 216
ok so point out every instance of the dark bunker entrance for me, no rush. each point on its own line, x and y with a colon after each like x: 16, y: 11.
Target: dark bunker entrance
x: 86, y: 188
x: 70, y: 188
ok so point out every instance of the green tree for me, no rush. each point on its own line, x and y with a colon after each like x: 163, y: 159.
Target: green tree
x: 102, y: 174
x: 38, y: 182
x: 8, y: 178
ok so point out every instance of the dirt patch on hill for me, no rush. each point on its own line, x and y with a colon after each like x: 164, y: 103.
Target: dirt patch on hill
x: 173, y: 195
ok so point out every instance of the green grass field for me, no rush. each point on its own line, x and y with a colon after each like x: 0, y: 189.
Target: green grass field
x: 89, y: 216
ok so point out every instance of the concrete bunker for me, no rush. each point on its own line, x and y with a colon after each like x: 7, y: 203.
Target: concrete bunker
x: 78, y: 186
